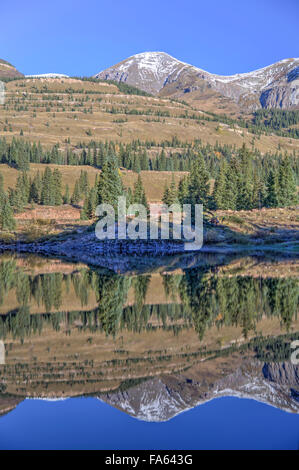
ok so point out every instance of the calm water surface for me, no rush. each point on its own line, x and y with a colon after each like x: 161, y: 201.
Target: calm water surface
x: 225, y: 423
x: 149, y: 357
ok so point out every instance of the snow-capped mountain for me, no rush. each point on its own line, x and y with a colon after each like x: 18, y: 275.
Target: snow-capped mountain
x: 162, y: 398
x: 148, y: 71
x: 276, y: 85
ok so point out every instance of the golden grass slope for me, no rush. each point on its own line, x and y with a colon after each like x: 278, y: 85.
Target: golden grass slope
x: 154, y: 181
x: 52, y: 110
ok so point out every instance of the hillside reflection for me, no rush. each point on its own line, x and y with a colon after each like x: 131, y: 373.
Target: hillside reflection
x: 196, y: 298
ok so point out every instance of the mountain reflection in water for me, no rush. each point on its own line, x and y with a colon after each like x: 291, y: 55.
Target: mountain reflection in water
x: 151, y: 344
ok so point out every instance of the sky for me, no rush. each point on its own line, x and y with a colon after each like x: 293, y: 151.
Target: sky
x: 83, y: 37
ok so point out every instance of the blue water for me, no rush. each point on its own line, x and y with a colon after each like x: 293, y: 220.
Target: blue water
x: 87, y: 423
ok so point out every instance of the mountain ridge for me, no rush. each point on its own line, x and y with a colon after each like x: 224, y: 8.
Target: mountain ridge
x: 7, y: 70
x: 162, y: 398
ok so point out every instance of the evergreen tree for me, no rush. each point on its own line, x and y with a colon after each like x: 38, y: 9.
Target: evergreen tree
x: 287, y: 194
x: 232, y: 184
x: 258, y: 191
x: 66, y: 197
x: 76, y: 196
x: 272, y: 190
x: 83, y: 183
x: 7, y: 221
x: 110, y: 186
x: 36, y: 189
x: 170, y: 195
x: 244, y: 179
x: 165, y: 197
x: 183, y: 190
x: 57, y: 187
x: 47, y: 188
x: 139, y: 196
x: 198, y: 184
x: 220, y: 188
x: 90, y: 204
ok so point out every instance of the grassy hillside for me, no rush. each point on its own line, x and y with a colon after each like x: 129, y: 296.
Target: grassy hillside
x: 154, y: 181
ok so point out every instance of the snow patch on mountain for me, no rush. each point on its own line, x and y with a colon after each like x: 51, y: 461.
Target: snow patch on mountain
x: 48, y: 75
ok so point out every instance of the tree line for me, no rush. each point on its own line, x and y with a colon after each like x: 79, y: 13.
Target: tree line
x: 172, y: 155
x: 238, y: 185
x: 206, y: 299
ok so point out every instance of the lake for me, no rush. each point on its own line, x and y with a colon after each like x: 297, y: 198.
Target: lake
x: 186, y: 352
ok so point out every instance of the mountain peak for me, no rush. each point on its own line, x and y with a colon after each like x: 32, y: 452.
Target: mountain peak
x: 146, y: 70
x: 275, y: 85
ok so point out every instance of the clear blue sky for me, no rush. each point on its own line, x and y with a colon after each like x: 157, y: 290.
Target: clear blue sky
x: 82, y: 37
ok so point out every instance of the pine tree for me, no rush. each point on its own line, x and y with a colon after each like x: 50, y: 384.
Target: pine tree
x: 198, y: 190
x: 170, y: 195
x: 110, y: 186
x: 272, y: 190
x: 139, y: 196
x: 183, y: 190
x: 165, y: 197
x: 7, y: 221
x: 144, y: 161
x: 232, y: 184
x: 76, y: 196
x: 136, y: 163
x: 83, y: 183
x: 57, y: 187
x: 258, y: 191
x: 244, y: 183
x: 47, y: 188
x: 220, y: 187
x: 66, y: 197
x: 90, y: 204
x: 35, y: 189
x: 173, y: 192
x: 287, y: 194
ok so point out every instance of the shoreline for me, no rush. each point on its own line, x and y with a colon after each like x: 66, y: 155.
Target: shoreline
x: 85, y: 248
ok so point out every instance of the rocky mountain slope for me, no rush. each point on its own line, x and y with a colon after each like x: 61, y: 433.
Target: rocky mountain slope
x: 275, y: 86
x: 162, y: 398
x: 8, y: 71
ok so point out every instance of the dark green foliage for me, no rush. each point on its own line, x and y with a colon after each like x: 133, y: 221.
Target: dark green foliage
x: 278, y: 120
x: 51, y: 188
x: 272, y: 189
x: 198, y: 183
x: 200, y: 300
x: 76, y: 196
x: 138, y: 196
x: 170, y: 195
x: 7, y: 221
x: 286, y: 184
x: 90, y: 204
x: 110, y: 186
x: 242, y: 177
